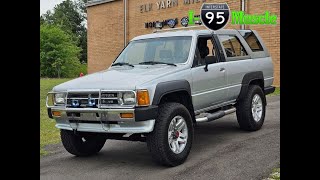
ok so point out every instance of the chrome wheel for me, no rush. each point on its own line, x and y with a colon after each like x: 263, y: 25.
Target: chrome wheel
x: 256, y: 107
x: 177, y: 134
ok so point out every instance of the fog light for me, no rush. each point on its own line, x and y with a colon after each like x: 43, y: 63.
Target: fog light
x: 75, y: 103
x: 56, y: 113
x: 91, y: 102
x: 126, y: 115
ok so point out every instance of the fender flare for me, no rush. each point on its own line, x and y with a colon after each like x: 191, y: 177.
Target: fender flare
x: 167, y: 87
x: 247, y: 78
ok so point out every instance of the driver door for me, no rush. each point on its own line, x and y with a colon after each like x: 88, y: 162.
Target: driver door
x: 208, y: 87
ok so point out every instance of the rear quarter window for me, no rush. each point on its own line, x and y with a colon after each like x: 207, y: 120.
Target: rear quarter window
x: 252, y: 41
x: 232, y: 46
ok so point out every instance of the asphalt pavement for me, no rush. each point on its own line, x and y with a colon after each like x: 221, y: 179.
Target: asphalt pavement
x: 220, y: 151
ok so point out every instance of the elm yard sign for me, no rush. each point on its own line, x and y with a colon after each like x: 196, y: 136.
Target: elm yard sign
x: 165, y: 4
x: 191, y: 19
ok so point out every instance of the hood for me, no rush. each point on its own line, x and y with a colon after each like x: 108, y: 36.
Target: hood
x: 119, y: 77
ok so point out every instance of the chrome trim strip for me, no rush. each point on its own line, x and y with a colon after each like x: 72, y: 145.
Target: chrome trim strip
x: 216, y: 90
x: 90, y: 114
x: 127, y: 127
x: 82, y: 90
x: 88, y: 110
x: 268, y: 78
x: 87, y: 98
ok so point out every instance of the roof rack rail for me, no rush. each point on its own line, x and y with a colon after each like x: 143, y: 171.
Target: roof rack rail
x: 179, y: 28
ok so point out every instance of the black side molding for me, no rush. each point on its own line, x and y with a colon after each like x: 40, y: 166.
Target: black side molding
x: 269, y: 90
x: 146, y: 113
x: 49, y: 113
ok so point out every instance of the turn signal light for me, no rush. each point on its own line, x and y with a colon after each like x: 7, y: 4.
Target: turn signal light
x: 143, y: 98
x: 126, y: 115
x: 56, y: 113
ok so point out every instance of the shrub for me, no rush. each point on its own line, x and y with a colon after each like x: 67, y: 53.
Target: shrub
x: 59, y: 55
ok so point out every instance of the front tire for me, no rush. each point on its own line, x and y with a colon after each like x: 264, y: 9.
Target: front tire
x: 171, y: 139
x: 251, y: 109
x: 82, y: 144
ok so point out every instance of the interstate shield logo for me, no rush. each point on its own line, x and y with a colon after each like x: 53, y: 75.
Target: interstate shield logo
x: 215, y: 15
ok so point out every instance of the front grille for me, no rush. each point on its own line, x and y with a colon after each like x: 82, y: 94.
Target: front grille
x: 83, y: 95
x: 109, y: 101
x: 109, y: 95
x: 91, y: 99
x: 83, y: 99
x: 110, y: 98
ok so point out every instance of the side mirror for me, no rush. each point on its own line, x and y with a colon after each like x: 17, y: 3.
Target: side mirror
x: 209, y: 60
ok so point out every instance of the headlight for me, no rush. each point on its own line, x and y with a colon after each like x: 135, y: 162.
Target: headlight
x: 59, y: 98
x: 129, y: 98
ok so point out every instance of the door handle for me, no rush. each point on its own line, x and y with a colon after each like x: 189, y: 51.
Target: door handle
x: 222, y: 69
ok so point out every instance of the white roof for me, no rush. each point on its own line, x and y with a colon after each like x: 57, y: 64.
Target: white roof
x: 179, y: 33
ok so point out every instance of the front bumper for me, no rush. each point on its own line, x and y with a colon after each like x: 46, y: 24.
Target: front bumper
x: 105, y: 120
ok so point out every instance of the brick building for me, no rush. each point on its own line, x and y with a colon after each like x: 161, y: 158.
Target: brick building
x: 107, y: 27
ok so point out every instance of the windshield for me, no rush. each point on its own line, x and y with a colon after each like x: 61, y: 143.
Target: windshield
x: 170, y: 50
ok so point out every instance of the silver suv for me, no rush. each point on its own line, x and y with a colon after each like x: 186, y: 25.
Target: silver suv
x: 160, y: 86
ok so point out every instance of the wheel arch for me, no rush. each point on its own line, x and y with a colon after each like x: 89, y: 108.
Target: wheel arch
x: 174, y: 91
x: 252, y: 78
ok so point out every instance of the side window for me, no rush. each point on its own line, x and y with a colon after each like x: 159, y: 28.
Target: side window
x: 205, y: 51
x: 252, y: 41
x: 232, y: 46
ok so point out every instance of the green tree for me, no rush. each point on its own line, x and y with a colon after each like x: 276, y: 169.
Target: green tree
x: 71, y: 17
x: 46, y: 18
x: 42, y: 21
x: 59, y: 54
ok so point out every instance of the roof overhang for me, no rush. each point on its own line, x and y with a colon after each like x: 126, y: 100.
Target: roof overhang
x: 97, y: 2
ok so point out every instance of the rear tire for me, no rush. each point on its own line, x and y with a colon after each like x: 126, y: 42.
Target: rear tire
x: 82, y: 144
x: 251, y: 109
x: 172, y: 117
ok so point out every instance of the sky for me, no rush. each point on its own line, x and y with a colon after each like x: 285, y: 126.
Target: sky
x: 46, y: 5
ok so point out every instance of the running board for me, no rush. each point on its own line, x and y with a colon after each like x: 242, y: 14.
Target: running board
x: 216, y: 115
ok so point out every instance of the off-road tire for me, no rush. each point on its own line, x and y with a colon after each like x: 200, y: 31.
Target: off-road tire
x: 74, y: 144
x: 157, y: 140
x: 244, y: 112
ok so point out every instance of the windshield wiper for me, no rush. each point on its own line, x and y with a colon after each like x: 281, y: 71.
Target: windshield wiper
x: 121, y: 64
x: 157, y: 62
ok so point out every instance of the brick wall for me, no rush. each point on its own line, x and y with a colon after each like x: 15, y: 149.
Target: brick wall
x: 269, y: 33
x: 105, y: 27
x: 105, y: 34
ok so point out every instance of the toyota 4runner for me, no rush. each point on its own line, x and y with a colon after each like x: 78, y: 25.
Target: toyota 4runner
x: 160, y: 86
